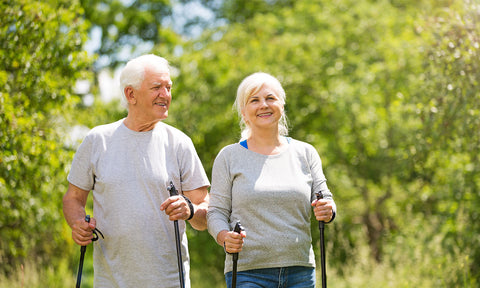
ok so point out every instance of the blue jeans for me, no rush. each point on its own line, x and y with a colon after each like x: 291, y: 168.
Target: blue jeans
x: 291, y: 277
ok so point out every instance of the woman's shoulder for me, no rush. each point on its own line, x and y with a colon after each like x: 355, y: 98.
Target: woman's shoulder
x: 298, y: 144
x: 226, y: 155
x: 231, y: 148
x: 303, y: 148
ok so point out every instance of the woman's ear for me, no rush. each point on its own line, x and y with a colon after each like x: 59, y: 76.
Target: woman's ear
x: 243, y: 116
x: 130, y: 95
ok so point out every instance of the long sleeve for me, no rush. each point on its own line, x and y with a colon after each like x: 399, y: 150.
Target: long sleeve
x: 220, y: 208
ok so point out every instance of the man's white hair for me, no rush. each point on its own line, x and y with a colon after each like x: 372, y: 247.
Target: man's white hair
x: 134, y: 72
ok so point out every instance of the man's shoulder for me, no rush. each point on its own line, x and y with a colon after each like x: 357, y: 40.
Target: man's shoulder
x: 106, y: 129
x: 170, y: 130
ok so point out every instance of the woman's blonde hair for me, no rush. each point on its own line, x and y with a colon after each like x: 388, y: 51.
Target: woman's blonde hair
x: 251, y: 85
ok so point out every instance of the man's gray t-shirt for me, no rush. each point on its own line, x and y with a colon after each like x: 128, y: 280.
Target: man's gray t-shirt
x: 129, y: 172
x: 270, y: 195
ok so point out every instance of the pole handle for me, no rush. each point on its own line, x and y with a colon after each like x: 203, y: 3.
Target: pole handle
x: 238, y: 229
x: 321, y: 224
x: 172, y: 190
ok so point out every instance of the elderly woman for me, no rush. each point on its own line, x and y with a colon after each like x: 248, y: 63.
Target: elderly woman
x: 268, y: 182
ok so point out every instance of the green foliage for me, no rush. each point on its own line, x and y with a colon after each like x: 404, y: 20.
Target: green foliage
x: 450, y: 118
x: 126, y: 26
x: 239, y: 11
x: 387, y: 91
x: 41, y: 55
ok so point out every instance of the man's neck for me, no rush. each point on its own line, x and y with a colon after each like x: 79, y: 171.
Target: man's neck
x: 138, y: 125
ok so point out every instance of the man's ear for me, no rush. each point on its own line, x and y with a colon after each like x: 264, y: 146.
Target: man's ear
x: 130, y: 95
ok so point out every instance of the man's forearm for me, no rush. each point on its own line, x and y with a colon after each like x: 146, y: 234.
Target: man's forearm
x: 199, y: 220
x: 74, y: 202
x: 73, y: 210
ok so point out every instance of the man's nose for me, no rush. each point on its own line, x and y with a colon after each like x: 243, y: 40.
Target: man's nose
x: 164, y: 92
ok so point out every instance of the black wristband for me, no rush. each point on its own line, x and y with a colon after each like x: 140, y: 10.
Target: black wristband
x: 190, y: 205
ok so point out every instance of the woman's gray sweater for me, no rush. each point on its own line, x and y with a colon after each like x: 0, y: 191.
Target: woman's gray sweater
x: 271, y: 196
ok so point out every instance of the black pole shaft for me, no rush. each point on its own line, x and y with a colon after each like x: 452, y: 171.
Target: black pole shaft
x: 321, y: 226
x: 179, y: 254
x: 238, y: 228
x: 234, y: 271
x: 80, y: 266
x: 173, y: 192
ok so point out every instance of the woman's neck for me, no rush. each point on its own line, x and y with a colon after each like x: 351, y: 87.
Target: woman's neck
x: 266, y: 144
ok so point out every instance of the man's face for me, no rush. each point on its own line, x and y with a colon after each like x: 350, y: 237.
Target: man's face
x: 154, y: 96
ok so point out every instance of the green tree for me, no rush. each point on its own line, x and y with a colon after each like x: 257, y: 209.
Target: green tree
x: 42, y: 57
x: 448, y: 106
x: 239, y: 11
x: 379, y: 88
x: 387, y: 91
x: 125, y: 27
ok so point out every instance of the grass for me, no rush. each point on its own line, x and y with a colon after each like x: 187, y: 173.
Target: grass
x: 403, y: 267
x: 30, y: 275
x: 58, y: 275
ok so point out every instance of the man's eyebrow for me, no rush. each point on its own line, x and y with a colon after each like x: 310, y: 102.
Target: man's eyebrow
x: 161, y: 83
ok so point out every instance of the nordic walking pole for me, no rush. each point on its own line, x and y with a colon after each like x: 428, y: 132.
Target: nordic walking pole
x: 83, y: 249
x: 238, y: 228
x: 174, y: 192
x: 82, y: 252
x: 321, y: 227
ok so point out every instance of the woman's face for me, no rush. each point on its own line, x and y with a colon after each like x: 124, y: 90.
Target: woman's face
x: 263, y: 109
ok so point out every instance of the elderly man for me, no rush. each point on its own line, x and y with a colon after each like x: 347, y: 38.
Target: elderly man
x: 128, y: 165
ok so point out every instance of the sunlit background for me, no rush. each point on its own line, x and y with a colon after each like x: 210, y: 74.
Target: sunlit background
x: 387, y: 92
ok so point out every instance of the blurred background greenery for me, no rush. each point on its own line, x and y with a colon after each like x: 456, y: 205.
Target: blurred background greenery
x: 386, y: 90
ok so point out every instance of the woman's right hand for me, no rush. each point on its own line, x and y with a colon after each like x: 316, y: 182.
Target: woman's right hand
x: 231, y: 241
